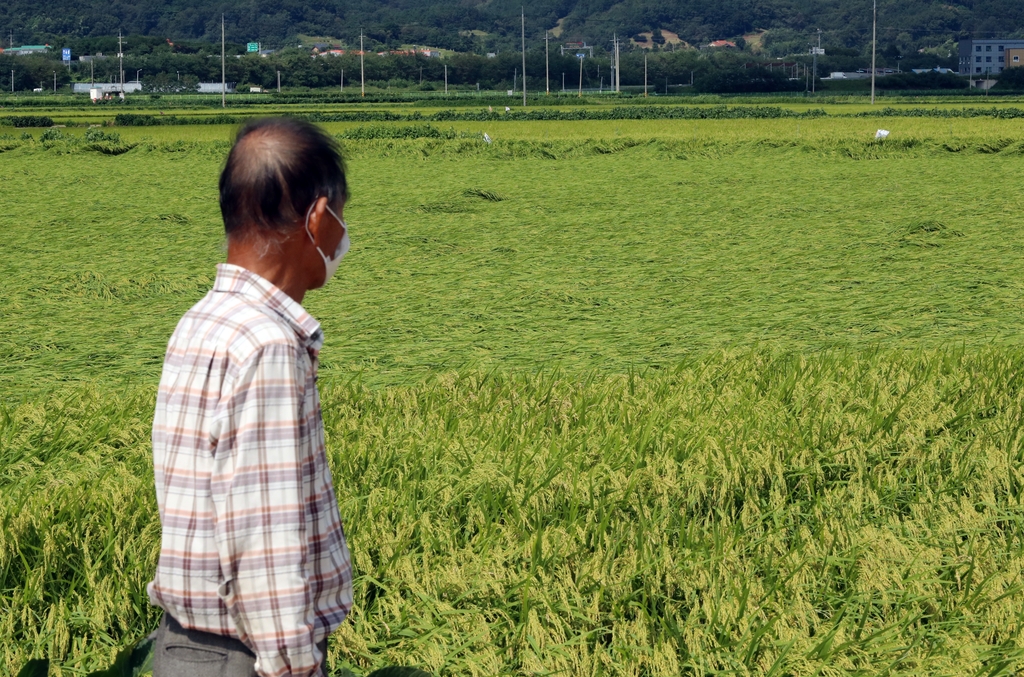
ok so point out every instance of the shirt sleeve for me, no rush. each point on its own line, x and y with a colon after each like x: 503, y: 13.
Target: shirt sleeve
x: 259, y: 497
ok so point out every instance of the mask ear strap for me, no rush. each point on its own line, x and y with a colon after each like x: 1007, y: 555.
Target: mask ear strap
x: 344, y: 226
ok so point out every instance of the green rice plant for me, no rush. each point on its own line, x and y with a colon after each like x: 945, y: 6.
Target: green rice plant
x: 397, y: 132
x: 98, y: 136
x: 608, y: 397
x: 620, y: 245
x: 489, y: 195
x: 136, y: 120
x: 752, y: 512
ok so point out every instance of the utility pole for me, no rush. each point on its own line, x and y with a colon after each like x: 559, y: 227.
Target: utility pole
x: 580, y: 95
x: 614, y: 41
x: 278, y: 82
x: 814, y: 68
x: 547, y: 69
x: 446, y: 79
x: 54, y: 82
x: 645, y: 75
x: 522, y: 17
x: 12, y: 81
x: 120, y: 60
x: 618, y: 66
x: 342, y: 91
x: 223, y: 68
x: 92, y: 71
x: 611, y: 67
x: 874, y: 25
x: 362, y: 71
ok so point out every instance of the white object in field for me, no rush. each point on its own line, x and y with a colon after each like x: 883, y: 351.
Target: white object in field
x: 507, y: 109
x: 487, y: 138
x: 881, y: 134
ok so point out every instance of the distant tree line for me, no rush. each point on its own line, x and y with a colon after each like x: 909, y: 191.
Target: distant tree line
x: 179, y: 66
x: 165, y: 71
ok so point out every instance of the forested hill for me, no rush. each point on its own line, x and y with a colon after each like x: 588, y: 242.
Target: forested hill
x: 487, y: 25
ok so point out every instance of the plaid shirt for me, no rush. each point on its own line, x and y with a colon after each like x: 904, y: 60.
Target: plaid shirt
x: 252, y: 544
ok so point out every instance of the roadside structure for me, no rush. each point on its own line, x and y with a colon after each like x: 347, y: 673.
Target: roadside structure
x: 25, y: 50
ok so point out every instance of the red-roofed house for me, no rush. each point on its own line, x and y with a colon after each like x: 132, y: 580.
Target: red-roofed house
x: 722, y: 43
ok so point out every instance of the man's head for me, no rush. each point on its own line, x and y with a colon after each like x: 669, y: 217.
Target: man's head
x: 282, y: 193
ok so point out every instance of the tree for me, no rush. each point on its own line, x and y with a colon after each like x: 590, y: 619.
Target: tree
x: 929, y: 80
x: 739, y: 80
x: 1012, y: 78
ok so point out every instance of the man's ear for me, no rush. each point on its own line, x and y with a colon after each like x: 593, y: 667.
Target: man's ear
x: 316, y: 219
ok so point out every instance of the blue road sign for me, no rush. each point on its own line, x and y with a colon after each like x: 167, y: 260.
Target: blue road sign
x: 65, y: 54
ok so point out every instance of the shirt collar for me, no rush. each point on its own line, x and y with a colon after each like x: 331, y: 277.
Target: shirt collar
x: 234, y: 279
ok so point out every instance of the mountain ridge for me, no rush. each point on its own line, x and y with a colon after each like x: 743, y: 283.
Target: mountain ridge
x: 478, y: 25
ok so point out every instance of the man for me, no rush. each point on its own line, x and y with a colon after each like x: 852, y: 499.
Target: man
x: 254, y: 569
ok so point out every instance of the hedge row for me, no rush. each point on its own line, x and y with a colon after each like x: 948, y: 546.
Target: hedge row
x: 993, y: 112
x: 26, y: 121
x: 616, y: 113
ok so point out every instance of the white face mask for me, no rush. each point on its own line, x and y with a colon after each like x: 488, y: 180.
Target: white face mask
x: 331, y: 264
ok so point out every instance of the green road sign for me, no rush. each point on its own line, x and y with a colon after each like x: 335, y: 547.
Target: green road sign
x: 252, y: 47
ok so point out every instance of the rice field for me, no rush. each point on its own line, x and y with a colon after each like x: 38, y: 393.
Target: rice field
x: 603, y: 397
x: 815, y: 135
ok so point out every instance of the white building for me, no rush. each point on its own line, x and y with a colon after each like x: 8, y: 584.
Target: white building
x: 215, y: 88
x: 106, y: 87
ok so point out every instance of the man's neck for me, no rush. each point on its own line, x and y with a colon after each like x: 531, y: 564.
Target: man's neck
x: 275, y: 265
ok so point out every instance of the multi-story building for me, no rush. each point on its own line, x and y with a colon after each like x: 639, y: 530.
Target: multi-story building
x: 1014, y: 57
x: 983, y: 57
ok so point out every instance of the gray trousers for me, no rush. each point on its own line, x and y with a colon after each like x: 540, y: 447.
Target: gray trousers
x: 180, y: 652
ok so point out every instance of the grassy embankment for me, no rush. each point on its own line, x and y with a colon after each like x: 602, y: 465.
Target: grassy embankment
x: 199, y: 110
x: 733, y: 395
